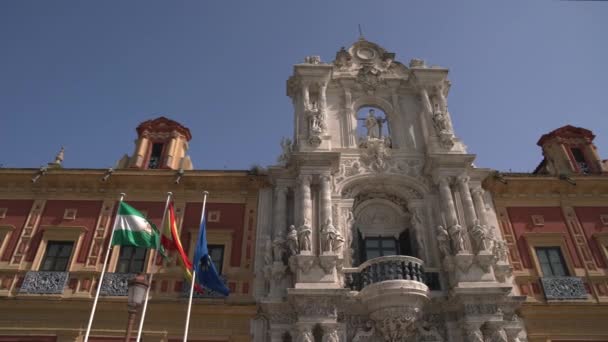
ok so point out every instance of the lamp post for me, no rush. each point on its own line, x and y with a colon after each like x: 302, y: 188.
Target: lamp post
x: 137, y: 293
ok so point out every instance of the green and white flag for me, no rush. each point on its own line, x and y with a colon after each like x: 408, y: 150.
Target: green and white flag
x: 133, y: 229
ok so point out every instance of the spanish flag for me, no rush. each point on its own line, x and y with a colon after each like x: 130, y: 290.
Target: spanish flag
x: 171, y: 243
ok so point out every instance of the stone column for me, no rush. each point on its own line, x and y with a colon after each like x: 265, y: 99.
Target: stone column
x: 325, y: 197
x: 140, y: 151
x: 480, y: 205
x: 467, y: 201
x: 279, y: 212
x: 350, y: 131
x: 170, y: 153
x: 448, y: 202
x: 323, y: 96
x: 418, y: 220
x: 305, y: 95
x: 304, y: 200
x: 276, y: 334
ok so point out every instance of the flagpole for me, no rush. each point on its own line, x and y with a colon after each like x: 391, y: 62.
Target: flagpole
x: 205, y: 193
x: 103, y: 270
x: 153, y: 255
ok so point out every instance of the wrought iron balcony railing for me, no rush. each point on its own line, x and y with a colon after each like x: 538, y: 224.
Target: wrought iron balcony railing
x: 116, y: 284
x: 44, y: 282
x: 560, y: 288
x: 394, y: 267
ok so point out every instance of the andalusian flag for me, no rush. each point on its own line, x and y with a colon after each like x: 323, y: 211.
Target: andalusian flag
x: 133, y: 229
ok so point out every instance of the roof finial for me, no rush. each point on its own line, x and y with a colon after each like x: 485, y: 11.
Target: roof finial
x: 58, y: 159
x: 360, y: 33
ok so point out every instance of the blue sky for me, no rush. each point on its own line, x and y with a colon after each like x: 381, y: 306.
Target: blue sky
x: 84, y: 74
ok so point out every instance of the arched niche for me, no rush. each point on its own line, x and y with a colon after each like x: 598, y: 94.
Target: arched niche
x: 379, y: 217
x: 381, y: 227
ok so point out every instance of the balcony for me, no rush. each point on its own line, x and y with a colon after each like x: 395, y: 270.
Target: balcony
x: 563, y: 288
x: 116, y: 284
x: 44, y: 282
x: 394, y: 291
x: 396, y: 267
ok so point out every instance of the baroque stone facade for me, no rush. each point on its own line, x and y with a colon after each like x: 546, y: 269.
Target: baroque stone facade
x: 346, y: 244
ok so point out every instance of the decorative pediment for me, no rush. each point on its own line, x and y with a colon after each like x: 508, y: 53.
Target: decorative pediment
x: 369, y: 62
x: 163, y: 125
x: 567, y: 132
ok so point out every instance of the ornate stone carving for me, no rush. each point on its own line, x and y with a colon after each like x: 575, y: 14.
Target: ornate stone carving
x: 473, y: 334
x: 331, y: 239
x: 497, y: 334
x: 312, y: 59
x: 375, y: 154
x: 480, y: 237
x: 330, y: 334
x: 363, y: 334
x: 443, y: 241
x: 292, y: 240
x: 42, y: 282
x: 480, y: 309
x: 343, y: 60
x: 287, y: 149
x: 457, y: 238
x: 305, y: 334
x: 396, y: 323
x: 115, y: 284
x: 317, y: 306
x: 500, y: 250
x: 278, y: 248
x: 370, y: 78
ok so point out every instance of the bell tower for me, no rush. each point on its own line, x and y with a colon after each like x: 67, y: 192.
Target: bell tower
x: 161, y: 144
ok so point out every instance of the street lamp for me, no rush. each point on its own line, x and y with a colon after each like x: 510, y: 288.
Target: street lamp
x: 138, y: 286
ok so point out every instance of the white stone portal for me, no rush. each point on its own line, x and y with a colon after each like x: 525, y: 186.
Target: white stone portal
x: 386, y: 208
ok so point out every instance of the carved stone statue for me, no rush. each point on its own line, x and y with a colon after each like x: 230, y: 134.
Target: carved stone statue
x: 500, y: 250
x: 292, y: 240
x: 479, y: 235
x: 331, y: 239
x: 287, y: 147
x: 305, y: 335
x: 331, y: 335
x: 304, y: 232
x: 312, y: 59
x: 440, y: 120
x: 474, y: 335
x: 371, y: 123
x: 457, y: 238
x: 443, y: 241
x: 59, y: 156
x: 278, y: 247
x: 316, y: 120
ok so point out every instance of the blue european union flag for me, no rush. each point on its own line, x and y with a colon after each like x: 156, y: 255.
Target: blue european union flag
x: 206, y: 274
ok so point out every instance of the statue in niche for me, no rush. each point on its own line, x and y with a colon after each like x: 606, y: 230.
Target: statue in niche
x: 443, y: 241
x: 457, y: 237
x: 479, y: 235
x: 292, y: 240
x: 373, y: 124
x: 304, y: 232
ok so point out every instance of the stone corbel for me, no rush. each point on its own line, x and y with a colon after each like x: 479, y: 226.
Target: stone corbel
x: 485, y: 260
x: 328, y: 262
x: 302, y: 262
x: 463, y: 261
